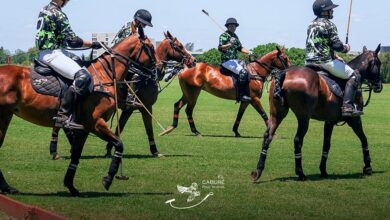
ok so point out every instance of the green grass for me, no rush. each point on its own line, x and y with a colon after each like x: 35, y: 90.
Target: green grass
x: 25, y: 161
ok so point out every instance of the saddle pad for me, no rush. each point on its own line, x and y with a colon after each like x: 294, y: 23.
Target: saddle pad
x: 333, y: 86
x: 46, y: 85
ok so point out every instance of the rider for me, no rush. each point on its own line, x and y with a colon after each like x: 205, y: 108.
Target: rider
x: 229, y: 46
x: 54, y: 35
x: 142, y: 18
x: 321, y: 44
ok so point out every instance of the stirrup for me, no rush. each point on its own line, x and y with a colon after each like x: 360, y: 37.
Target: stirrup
x: 133, y: 104
x: 350, y: 111
x: 61, y: 122
x: 245, y: 98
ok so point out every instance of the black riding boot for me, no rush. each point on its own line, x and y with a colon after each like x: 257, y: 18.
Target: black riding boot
x: 348, y: 109
x: 279, y: 77
x: 66, y: 108
x: 243, y: 86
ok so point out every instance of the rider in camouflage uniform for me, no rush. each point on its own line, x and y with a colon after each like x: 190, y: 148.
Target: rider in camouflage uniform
x: 229, y: 46
x: 54, y: 34
x: 142, y: 18
x: 321, y: 44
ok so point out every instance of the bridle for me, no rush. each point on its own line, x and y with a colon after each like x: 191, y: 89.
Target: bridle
x: 273, y: 67
x: 175, y: 48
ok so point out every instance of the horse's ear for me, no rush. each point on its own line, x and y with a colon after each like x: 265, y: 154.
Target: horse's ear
x: 169, y: 34
x: 364, y: 49
x: 378, y: 49
x: 165, y: 34
x: 278, y: 49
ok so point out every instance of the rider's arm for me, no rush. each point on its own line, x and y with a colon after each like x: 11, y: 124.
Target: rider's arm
x: 71, y: 38
x: 336, y: 43
x: 224, y: 43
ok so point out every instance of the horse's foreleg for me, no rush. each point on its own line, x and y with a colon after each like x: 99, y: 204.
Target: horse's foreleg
x: 103, y: 131
x: 54, y: 144
x: 77, y: 140
x: 328, y: 129
x: 240, y: 113
x: 303, y: 125
x: 125, y: 115
x: 176, y: 110
x: 147, y: 119
x: 356, y: 125
x: 259, y: 108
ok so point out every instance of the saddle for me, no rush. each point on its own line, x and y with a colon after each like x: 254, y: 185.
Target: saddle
x: 336, y: 85
x: 46, y: 81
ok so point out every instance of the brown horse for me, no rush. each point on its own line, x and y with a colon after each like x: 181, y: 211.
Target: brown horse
x: 18, y: 97
x: 210, y: 79
x: 170, y: 49
x: 307, y: 94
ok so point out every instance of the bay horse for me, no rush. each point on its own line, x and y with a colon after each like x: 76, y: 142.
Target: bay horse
x: 209, y: 78
x: 169, y: 49
x: 307, y: 94
x: 18, y: 97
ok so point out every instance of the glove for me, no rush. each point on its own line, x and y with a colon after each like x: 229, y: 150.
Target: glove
x: 233, y: 40
x: 96, y: 45
x: 347, y: 48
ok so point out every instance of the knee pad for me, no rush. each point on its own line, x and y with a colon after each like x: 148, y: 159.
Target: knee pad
x: 83, y: 82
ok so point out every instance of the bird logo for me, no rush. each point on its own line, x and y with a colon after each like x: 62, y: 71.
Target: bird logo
x: 192, y: 190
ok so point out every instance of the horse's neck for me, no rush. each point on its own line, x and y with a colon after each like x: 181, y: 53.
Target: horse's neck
x: 359, y: 63
x: 102, y: 68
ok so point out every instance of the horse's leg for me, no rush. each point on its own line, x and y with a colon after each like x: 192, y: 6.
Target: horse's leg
x: 147, y: 119
x: 277, y: 115
x: 102, y: 130
x: 125, y: 115
x: 328, y: 129
x: 259, y: 108
x: 6, y: 113
x: 54, y: 143
x: 240, y: 113
x: 192, y: 97
x: 356, y: 125
x: 77, y: 140
x: 303, y: 125
x: 176, y: 110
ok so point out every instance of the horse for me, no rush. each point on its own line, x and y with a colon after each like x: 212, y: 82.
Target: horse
x: 209, y: 78
x: 18, y: 97
x: 307, y: 94
x: 170, y: 49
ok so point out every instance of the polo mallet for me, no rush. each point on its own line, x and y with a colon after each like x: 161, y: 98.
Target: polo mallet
x: 349, y: 21
x: 215, y: 22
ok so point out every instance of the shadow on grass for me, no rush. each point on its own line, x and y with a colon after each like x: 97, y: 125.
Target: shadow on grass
x: 97, y: 194
x: 317, y: 177
x: 129, y: 156
x: 229, y: 136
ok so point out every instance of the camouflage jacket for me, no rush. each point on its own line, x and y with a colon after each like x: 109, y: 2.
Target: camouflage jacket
x: 53, y: 29
x: 232, y: 52
x: 322, y: 40
x: 127, y: 30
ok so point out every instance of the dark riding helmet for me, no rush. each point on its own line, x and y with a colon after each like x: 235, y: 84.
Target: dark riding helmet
x: 320, y: 6
x: 144, y: 17
x: 231, y: 21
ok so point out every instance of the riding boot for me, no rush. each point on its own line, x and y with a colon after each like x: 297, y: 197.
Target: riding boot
x: 279, y: 77
x: 132, y: 101
x: 348, y: 109
x: 243, y: 86
x: 66, y: 109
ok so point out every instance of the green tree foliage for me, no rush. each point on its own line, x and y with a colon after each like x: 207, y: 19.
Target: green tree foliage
x: 385, y: 68
x: 3, y: 55
x: 212, y: 57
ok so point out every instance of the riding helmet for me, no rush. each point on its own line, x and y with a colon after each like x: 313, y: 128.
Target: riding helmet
x: 231, y: 21
x: 320, y: 6
x: 144, y: 17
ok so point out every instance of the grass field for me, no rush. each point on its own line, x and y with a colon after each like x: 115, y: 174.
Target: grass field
x: 346, y: 194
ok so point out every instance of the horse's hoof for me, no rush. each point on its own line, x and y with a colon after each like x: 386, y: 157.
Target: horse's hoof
x: 9, y: 190
x: 73, y: 191
x: 367, y: 171
x: 107, y: 181
x: 158, y: 155
x: 237, y: 135
x: 302, y: 177
x: 55, y: 156
x: 167, y: 130
x: 108, y: 155
x: 324, y: 174
x: 198, y: 134
x: 256, y: 175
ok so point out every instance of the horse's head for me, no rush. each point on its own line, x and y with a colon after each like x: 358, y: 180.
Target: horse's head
x: 274, y: 60
x: 369, y: 66
x: 139, y: 52
x: 172, y: 49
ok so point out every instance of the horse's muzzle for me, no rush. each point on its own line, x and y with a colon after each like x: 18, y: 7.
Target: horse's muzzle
x: 378, y: 87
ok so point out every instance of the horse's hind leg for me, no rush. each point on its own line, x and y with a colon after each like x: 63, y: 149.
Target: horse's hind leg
x: 240, y: 113
x: 77, y: 140
x: 54, y: 144
x: 176, y: 110
x: 303, y: 125
x: 125, y: 115
x: 356, y: 125
x: 328, y: 129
